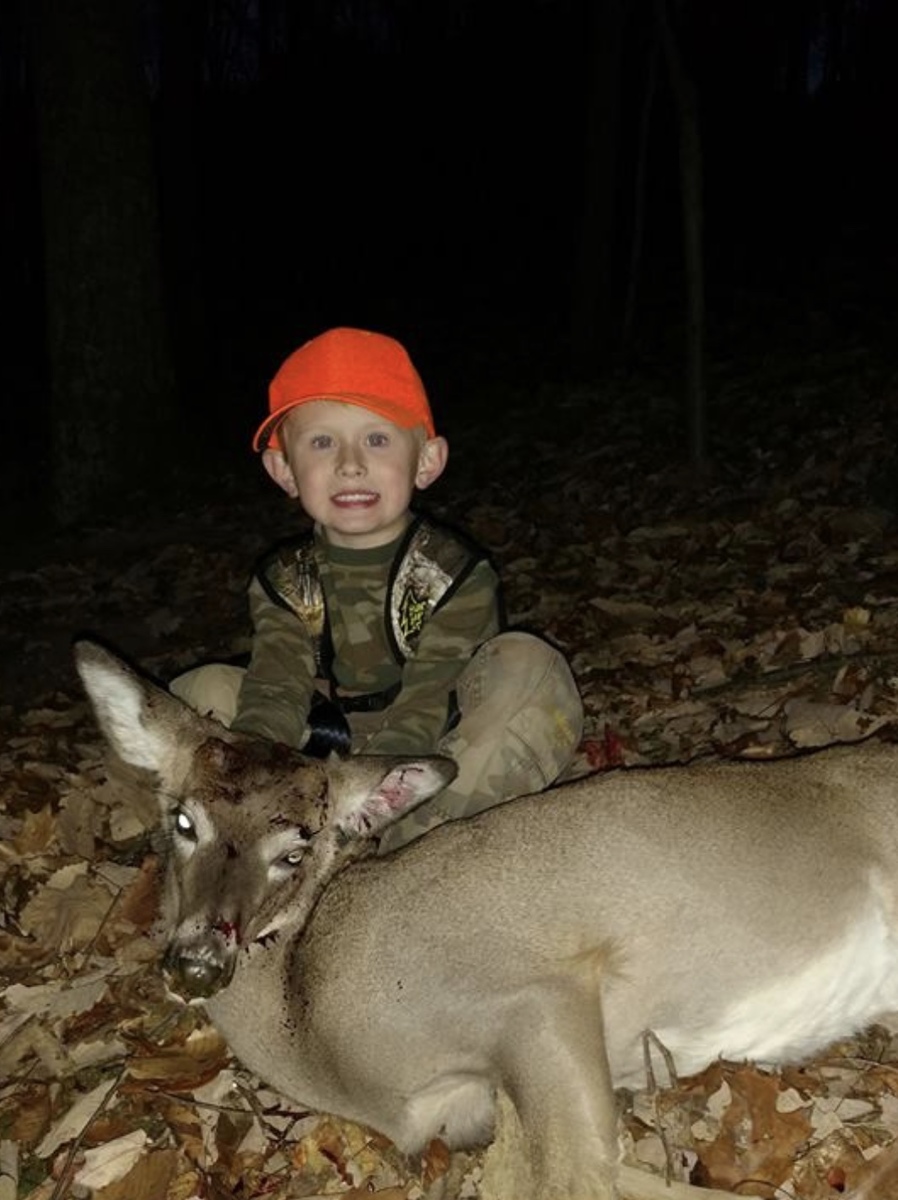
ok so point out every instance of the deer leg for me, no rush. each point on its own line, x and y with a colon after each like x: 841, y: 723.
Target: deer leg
x: 557, y: 1126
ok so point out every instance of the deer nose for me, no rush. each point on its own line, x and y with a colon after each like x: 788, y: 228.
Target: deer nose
x: 193, y: 977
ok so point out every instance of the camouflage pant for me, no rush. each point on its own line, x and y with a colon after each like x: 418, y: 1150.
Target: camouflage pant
x: 519, y: 727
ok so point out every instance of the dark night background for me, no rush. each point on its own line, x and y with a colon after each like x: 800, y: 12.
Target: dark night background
x: 191, y: 190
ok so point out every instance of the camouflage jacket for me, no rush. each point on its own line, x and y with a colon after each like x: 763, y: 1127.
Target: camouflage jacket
x: 401, y: 619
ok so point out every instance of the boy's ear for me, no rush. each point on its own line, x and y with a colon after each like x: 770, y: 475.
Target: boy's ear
x: 432, y: 459
x: 280, y: 471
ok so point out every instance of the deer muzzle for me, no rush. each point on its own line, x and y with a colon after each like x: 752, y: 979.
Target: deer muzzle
x: 197, y: 972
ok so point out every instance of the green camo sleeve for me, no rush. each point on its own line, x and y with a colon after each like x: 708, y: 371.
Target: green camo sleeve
x: 415, y: 721
x: 277, y: 689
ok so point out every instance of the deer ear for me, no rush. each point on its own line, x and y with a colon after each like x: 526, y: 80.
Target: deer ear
x: 137, y: 718
x: 372, y: 793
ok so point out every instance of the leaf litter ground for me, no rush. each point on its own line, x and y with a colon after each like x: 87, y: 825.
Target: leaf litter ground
x: 750, y: 611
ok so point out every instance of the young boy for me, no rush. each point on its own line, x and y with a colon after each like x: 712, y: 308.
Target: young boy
x: 392, y: 616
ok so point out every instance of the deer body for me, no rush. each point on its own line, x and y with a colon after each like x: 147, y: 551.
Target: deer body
x: 759, y: 950
x: 734, y: 909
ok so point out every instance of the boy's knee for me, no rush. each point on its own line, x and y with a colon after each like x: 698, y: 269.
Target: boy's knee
x: 521, y: 722
x: 517, y: 672
x: 521, y: 715
x: 211, y: 690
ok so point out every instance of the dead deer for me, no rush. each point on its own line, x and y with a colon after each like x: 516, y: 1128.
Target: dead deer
x: 496, y: 979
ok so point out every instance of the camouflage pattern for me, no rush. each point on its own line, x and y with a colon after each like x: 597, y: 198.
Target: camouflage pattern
x: 427, y: 563
x: 521, y: 723
x: 290, y: 575
x: 519, y: 715
x: 276, y: 694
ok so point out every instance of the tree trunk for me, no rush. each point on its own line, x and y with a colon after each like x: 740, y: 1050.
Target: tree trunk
x: 640, y: 188
x: 592, y: 329
x: 691, y: 187
x: 111, y: 382
x: 181, y: 29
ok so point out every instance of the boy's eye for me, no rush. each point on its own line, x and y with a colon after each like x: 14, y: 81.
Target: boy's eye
x: 320, y: 441
x: 378, y: 439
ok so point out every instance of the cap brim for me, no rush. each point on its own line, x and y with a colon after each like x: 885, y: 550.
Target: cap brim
x: 266, y: 435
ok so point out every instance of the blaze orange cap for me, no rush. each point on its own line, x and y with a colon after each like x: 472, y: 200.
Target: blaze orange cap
x: 354, y: 367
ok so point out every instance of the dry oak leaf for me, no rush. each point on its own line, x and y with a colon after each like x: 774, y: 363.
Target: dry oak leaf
x: 26, y: 1113
x: 180, y: 1068
x: 38, y: 833
x: 69, y: 910
x: 76, y: 1120
x: 149, y: 1179
x: 867, y: 1172
x: 756, y: 1145
x: 111, y: 1161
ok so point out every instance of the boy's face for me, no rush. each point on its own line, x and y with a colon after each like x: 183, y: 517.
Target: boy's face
x: 353, y: 471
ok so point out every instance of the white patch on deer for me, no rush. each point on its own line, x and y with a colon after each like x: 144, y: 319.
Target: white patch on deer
x: 457, y: 1107
x: 845, y: 989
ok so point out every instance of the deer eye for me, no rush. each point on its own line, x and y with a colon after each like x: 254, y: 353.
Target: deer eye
x: 184, y: 826
x: 293, y: 857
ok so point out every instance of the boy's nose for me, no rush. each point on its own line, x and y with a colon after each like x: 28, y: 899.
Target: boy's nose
x: 350, y: 462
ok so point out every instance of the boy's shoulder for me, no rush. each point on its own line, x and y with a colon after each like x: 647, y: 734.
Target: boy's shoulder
x: 288, y: 572
x: 428, y: 538
x: 433, y: 563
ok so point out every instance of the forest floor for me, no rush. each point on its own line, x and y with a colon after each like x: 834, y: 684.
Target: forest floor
x: 747, y: 610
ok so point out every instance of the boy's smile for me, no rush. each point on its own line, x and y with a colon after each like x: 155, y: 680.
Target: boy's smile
x: 354, y: 499
x: 353, y: 471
